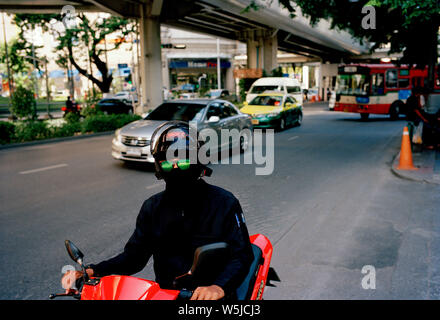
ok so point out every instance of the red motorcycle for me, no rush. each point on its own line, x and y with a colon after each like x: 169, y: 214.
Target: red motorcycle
x: 116, y: 287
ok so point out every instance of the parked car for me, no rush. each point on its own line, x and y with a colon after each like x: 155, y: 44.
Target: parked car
x: 280, y: 84
x: 274, y: 110
x: 188, y: 95
x: 126, y: 96
x: 132, y: 142
x: 113, y: 106
x: 218, y: 93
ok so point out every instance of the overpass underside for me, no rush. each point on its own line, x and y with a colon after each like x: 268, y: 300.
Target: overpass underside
x: 223, y: 19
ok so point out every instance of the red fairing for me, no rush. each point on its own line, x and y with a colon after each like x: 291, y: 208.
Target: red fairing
x: 132, y: 288
x: 266, y: 247
x: 126, y: 288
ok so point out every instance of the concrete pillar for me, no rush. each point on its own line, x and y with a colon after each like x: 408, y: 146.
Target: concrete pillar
x: 252, y: 54
x: 229, y: 81
x: 150, y: 59
x: 270, y: 46
x: 262, y: 47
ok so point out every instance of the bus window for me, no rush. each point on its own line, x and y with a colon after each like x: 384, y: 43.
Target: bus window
x: 377, y: 83
x: 391, y: 78
x: 352, y: 84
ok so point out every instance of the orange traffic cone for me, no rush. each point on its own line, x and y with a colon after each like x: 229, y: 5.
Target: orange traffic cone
x: 406, y: 161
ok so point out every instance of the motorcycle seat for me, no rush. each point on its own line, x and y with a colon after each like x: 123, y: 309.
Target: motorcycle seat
x: 244, y: 291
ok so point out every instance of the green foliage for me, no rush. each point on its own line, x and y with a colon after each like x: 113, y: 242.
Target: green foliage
x: 410, y: 26
x: 72, y: 117
x: 244, y: 85
x: 102, y: 122
x: 90, y: 111
x: 16, y: 61
x: 7, y: 131
x: 23, y: 103
x: 203, y: 91
x: 31, y: 130
x: 66, y: 130
x: 84, y: 35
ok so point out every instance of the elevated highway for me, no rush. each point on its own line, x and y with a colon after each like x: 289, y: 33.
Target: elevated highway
x: 264, y: 31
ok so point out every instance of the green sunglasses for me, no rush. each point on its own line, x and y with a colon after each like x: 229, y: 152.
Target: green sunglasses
x: 182, y: 164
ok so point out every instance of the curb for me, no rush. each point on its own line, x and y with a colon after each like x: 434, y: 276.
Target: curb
x: 54, y: 140
x: 401, y: 174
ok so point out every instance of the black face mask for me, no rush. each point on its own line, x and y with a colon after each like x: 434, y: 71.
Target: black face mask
x: 181, y: 182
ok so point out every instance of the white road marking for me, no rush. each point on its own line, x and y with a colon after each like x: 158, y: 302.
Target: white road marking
x: 292, y: 138
x: 44, y: 168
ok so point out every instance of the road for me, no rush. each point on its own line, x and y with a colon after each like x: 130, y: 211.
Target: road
x: 330, y: 207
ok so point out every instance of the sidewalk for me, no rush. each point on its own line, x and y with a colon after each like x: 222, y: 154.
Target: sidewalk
x: 41, y: 116
x: 428, y: 164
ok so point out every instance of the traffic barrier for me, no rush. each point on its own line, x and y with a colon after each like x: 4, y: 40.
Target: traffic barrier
x: 406, y: 161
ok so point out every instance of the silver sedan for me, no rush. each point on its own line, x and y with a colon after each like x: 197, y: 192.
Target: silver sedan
x: 132, y: 142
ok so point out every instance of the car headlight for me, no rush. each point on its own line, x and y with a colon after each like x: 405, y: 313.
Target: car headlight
x: 118, y: 136
x: 272, y: 115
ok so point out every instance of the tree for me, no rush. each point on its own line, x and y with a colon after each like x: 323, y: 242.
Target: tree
x: 23, y: 103
x: 83, y: 35
x: 409, y: 26
x: 16, y: 62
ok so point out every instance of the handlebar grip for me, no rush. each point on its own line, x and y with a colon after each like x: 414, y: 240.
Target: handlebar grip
x: 184, y: 294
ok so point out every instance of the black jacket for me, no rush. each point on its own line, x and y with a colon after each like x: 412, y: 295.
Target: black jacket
x: 170, y: 226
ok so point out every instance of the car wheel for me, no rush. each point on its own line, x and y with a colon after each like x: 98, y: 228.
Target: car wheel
x: 299, y: 120
x: 364, y: 116
x: 282, y: 125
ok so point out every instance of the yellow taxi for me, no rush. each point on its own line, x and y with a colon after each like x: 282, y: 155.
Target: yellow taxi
x: 274, y: 110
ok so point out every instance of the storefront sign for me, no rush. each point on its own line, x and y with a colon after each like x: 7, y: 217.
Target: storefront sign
x: 198, y: 64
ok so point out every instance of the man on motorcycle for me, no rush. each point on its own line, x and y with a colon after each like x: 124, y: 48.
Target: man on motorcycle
x: 188, y: 214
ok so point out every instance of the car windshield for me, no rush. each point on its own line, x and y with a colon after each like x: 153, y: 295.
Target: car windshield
x: 175, y: 111
x: 352, y: 84
x: 261, y: 89
x: 272, y: 101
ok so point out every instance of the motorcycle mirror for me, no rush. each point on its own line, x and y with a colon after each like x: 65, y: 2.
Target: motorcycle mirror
x: 209, y: 256
x: 74, y: 252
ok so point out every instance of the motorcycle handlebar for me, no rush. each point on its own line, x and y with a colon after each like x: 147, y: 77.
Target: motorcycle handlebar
x: 184, y: 294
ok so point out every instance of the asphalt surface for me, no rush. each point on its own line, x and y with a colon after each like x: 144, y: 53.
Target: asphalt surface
x: 330, y: 207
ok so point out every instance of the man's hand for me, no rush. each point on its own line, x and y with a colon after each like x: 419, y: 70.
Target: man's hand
x: 213, y: 292
x: 69, y: 278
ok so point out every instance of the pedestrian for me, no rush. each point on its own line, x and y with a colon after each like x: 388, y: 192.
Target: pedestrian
x: 69, y: 104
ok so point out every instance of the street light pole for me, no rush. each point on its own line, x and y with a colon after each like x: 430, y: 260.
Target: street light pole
x: 219, y: 82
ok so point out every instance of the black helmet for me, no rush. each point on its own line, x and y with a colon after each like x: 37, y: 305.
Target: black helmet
x: 175, y: 150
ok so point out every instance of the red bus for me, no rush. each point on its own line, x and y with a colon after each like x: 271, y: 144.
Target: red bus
x: 377, y: 88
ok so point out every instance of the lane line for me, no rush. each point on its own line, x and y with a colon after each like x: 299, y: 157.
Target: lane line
x: 292, y: 138
x: 44, y: 168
